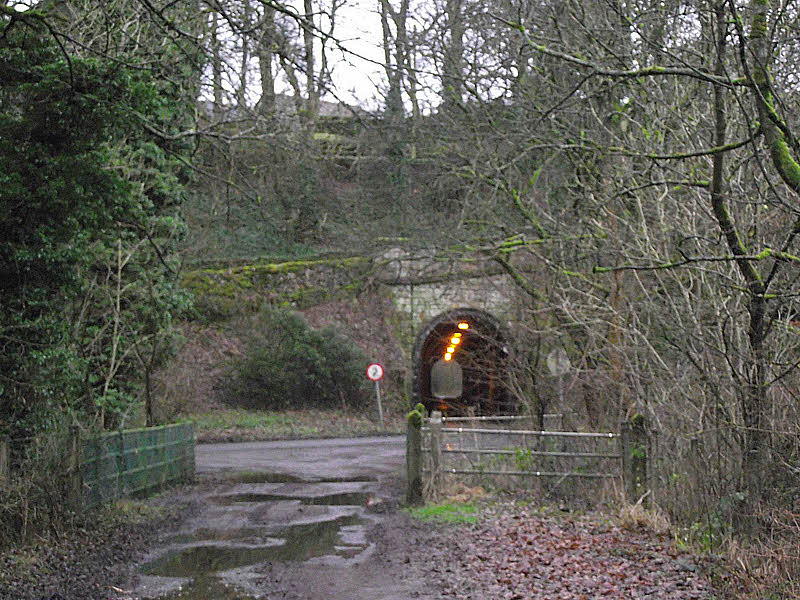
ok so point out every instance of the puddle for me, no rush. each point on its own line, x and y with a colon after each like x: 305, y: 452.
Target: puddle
x: 342, y: 537
x: 207, y: 588
x: 208, y: 556
x: 259, y: 477
x: 300, y: 542
x: 243, y: 536
x: 340, y: 499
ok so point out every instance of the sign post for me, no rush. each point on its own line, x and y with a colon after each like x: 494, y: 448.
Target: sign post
x: 559, y: 365
x: 374, y: 373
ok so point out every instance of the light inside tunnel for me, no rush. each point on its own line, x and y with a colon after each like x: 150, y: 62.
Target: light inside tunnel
x: 473, y: 340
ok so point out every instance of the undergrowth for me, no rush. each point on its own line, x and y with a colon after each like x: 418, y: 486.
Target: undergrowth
x: 32, y: 499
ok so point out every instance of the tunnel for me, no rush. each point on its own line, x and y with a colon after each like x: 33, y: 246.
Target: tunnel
x: 460, y: 365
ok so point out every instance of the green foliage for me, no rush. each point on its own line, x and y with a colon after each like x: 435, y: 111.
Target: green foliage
x: 450, y: 513
x: 525, y: 460
x: 87, y: 221
x: 290, y: 365
x: 709, y: 534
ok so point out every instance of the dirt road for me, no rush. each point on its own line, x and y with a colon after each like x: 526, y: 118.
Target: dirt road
x: 300, y: 519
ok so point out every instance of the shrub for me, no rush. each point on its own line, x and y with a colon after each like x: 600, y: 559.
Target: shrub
x: 32, y: 500
x: 288, y: 364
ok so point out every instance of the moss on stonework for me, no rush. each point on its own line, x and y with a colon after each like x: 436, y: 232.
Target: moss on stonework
x: 220, y: 283
x: 244, y: 275
x: 306, y: 297
x: 221, y: 293
x: 415, y: 417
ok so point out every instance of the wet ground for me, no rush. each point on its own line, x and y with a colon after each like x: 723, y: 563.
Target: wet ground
x: 265, y: 509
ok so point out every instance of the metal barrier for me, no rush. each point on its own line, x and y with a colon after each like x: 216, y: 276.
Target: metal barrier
x: 556, y: 456
x: 135, y: 461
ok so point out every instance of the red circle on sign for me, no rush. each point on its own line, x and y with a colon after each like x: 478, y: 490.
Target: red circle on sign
x: 375, y: 371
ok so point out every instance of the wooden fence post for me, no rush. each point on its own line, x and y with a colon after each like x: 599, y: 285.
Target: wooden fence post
x: 634, y: 451
x: 74, y: 459
x: 414, y: 457
x: 5, y: 459
x: 436, y: 452
x: 189, y: 454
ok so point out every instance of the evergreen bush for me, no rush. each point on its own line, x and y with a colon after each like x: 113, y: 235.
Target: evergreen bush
x: 288, y: 364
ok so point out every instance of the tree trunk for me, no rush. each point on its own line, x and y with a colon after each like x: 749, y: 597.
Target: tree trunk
x: 453, y: 59
x: 754, y: 396
x: 754, y: 438
x: 393, y: 68
x: 266, y: 104
x: 312, y: 91
x: 245, y: 62
x: 216, y: 63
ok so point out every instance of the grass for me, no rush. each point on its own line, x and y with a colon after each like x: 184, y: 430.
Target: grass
x: 240, y: 425
x: 450, y: 513
x: 246, y: 419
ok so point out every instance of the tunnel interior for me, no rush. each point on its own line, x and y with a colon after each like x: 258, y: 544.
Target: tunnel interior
x: 467, y: 346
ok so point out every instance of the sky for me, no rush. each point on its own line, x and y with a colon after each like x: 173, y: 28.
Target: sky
x: 357, y: 72
x: 355, y: 78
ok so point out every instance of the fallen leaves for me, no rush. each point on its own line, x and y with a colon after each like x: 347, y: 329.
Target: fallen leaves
x: 519, y: 554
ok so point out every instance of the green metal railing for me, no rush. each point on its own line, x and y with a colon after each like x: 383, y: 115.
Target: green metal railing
x: 136, y: 461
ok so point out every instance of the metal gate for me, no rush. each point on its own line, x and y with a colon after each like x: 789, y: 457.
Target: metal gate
x: 502, y: 452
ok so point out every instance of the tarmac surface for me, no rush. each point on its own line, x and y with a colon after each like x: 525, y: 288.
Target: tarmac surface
x: 369, y: 457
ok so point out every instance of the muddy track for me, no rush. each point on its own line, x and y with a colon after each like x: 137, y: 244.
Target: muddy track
x: 279, y: 519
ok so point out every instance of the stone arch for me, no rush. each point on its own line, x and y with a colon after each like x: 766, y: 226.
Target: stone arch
x: 482, y: 356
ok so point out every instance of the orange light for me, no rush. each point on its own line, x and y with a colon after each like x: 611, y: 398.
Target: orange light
x: 448, y: 356
x: 455, y: 340
x: 457, y: 334
x: 463, y: 325
x: 451, y: 349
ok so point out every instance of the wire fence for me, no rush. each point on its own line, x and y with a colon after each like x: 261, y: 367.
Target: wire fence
x: 133, y: 462
x: 103, y: 467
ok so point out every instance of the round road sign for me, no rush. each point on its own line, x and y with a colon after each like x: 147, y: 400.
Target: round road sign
x: 558, y: 362
x: 374, y: 371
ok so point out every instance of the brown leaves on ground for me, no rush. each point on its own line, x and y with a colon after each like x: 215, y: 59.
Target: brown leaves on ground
x: 523, y: 555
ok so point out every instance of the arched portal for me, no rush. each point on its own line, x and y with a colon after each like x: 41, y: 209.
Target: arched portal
x: 475, y: 342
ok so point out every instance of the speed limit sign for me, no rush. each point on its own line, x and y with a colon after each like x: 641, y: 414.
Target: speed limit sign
x: 374, y: 371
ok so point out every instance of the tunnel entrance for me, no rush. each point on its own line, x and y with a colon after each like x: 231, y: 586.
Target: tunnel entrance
x: 460, y: 365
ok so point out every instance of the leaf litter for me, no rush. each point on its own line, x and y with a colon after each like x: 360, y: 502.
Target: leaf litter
x: 522, y: 553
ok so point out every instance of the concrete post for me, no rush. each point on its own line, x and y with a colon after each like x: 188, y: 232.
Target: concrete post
x: 190, y: 457
x: 436, y: 452
x: 634, y: 451
x: 414, y: 457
